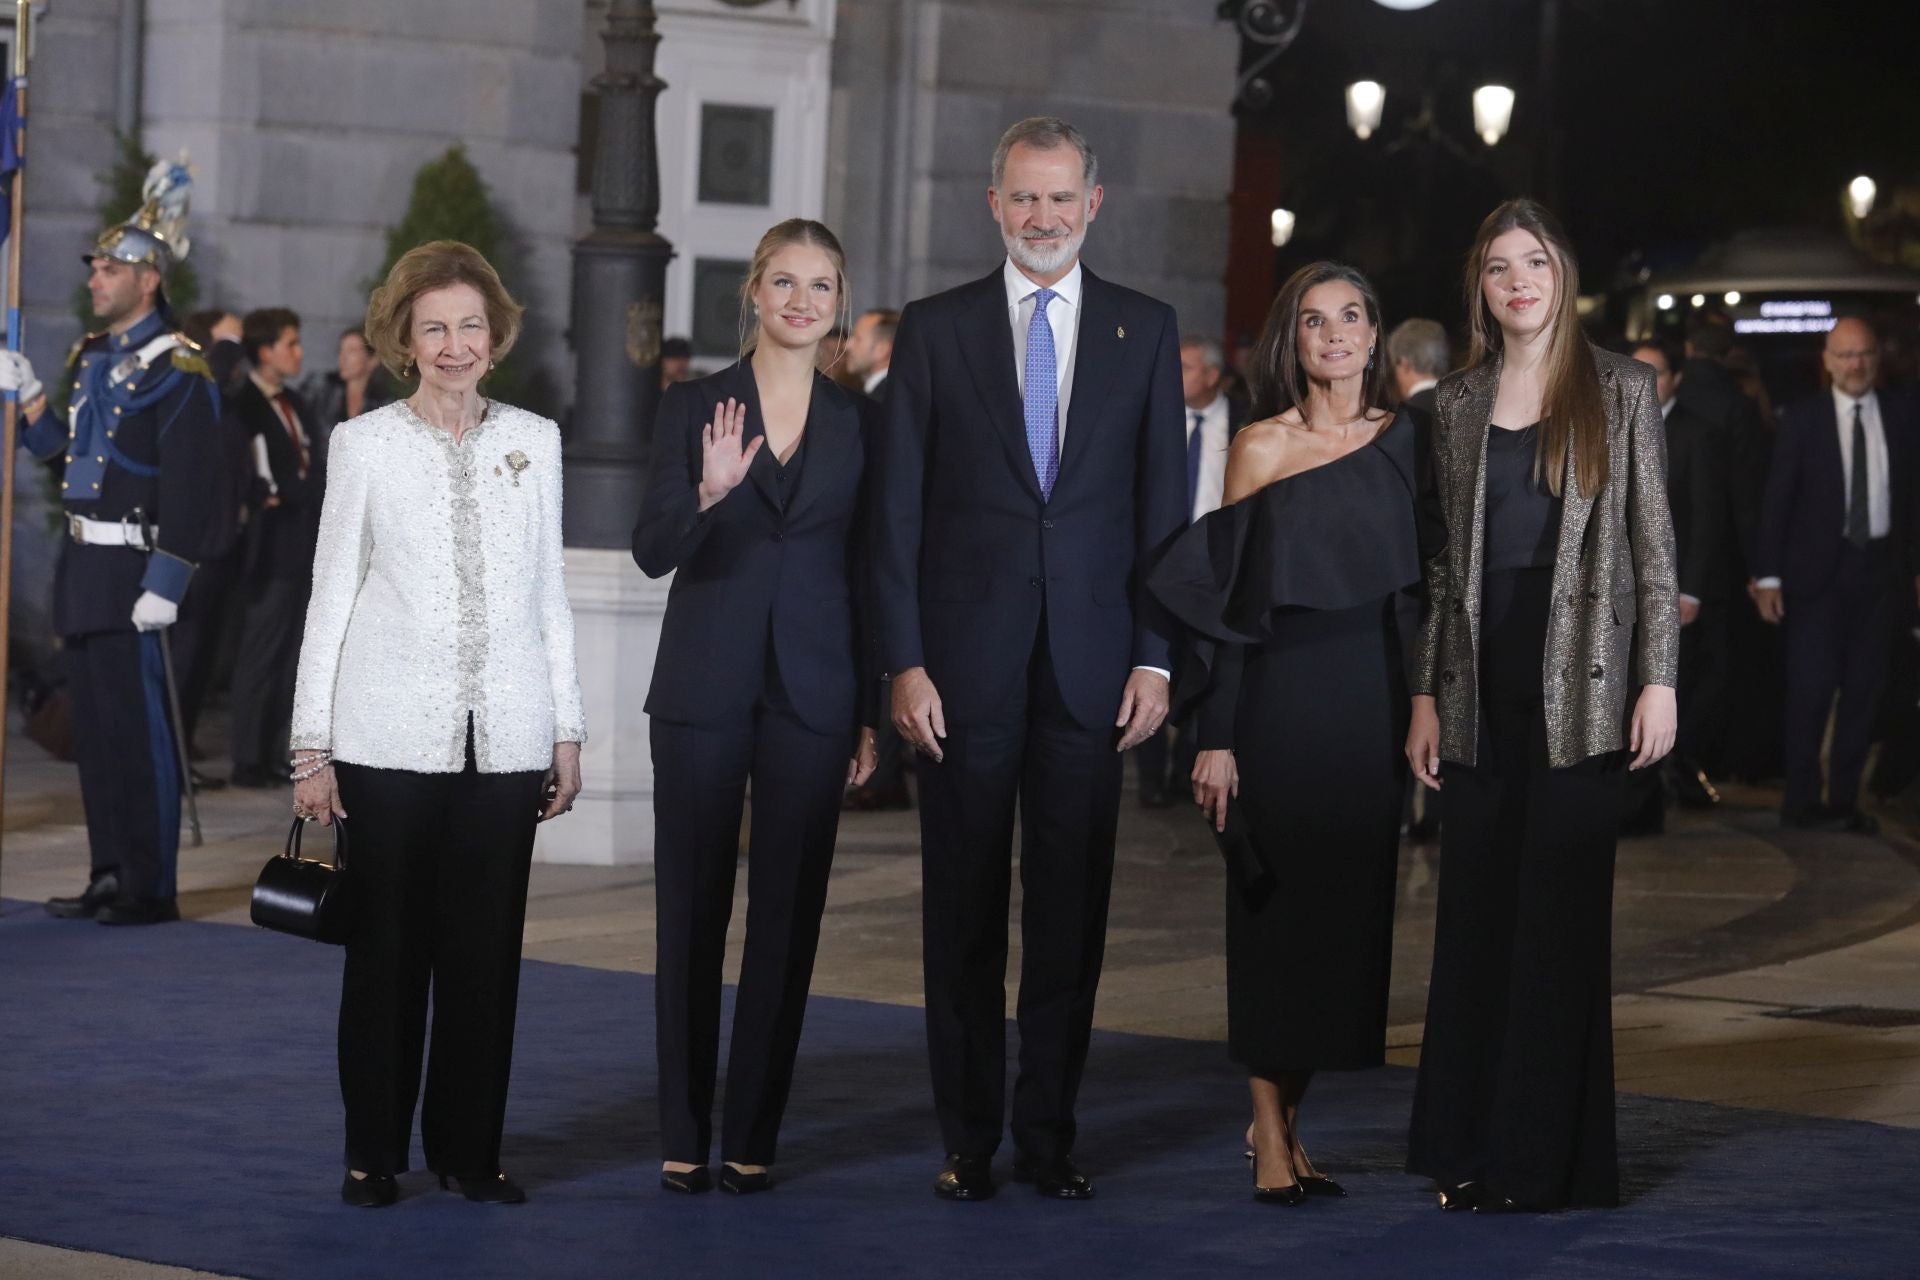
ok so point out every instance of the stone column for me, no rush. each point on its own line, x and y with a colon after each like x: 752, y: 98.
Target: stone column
x: 619, y: 283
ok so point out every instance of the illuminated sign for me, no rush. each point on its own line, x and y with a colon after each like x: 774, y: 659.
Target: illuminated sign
x: 1808, y: 316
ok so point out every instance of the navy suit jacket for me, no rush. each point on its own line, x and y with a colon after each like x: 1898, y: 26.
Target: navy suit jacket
x: 1803, y: 515
x: 748, y: 576
x: 969, y: 558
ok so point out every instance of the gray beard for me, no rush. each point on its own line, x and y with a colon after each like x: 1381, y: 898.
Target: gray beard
x: 1030, y: 256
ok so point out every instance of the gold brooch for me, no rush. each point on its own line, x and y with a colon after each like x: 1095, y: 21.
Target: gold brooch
x: 519, y: 462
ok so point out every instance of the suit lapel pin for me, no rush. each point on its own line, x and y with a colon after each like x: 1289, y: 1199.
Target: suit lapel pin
x: 1120, y: 331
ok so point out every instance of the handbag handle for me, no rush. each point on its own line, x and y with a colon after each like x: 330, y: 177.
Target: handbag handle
x: 339, y: 842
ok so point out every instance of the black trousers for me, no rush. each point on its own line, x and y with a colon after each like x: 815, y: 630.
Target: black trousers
x: 438, y: 865
x: 129, y: 769
x: 701, y: 774
x: 196, y: 637
x: 1065, y: 780
x: 1703, y: 686
x: 1836, y: 642
x: 274, y: 612
x: 1515, y: 1088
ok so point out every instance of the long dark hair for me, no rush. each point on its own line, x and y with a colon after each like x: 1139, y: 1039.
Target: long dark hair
x: 1573, y: 412
x: 1273, y: 370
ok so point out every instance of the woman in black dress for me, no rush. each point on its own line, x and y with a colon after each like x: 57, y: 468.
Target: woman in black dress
x: 1553, y: 601
x: 1294, y: 662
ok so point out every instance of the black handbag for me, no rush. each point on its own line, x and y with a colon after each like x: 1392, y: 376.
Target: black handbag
x: 302, y: 897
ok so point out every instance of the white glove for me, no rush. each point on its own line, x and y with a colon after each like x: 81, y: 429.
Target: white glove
x: 16, y: 375
x: 152, y: 612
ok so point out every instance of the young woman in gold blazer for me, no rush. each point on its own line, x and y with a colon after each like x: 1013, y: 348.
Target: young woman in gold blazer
x: 1552, y: 603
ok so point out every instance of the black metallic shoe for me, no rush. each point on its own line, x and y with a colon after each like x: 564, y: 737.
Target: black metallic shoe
x: 1319, y: 1184
x: 1058, y: 1179
x: 1288, y: 1196
x: 1493, y: 1202
x: 104, y: 888
x: 744, y: 1184
x: 965, y: 1178
x: 499, y: 1189
x: 690, y: 1182
x: 1460, y: 1196
x: 375, y: 1191
x: 127, y: 909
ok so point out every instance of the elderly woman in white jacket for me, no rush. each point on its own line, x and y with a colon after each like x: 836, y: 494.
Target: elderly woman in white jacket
x: 438, y: 704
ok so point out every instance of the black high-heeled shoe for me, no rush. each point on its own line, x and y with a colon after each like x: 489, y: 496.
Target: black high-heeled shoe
x: 744, y: 1184
x: 375, y: 1191
x: 499, y: 1189
x: 1275, y: 1195
x: 1313, y: 1184
x: 688, y: 1182
x: 1459, y: 1196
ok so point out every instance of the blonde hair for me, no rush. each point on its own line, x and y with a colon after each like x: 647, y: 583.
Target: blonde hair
x: 796, y: 231
x: 1573, y: 412
x: 436, y: 265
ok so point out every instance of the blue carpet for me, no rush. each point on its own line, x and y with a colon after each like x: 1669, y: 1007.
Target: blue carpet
x: 169, y: 1094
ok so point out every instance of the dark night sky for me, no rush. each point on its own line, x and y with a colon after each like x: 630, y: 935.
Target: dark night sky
x: 1674, y: 123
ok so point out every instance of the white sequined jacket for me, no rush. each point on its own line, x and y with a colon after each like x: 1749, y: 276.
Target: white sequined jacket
x: 438, y: 591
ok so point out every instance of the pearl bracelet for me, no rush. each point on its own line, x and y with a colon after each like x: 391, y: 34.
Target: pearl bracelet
x: 315, y: 766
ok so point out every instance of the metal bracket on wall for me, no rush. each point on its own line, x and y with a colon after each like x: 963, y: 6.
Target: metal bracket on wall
x: 1273, y: 26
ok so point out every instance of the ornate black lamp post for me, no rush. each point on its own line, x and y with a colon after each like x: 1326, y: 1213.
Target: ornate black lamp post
x: 619, y: 287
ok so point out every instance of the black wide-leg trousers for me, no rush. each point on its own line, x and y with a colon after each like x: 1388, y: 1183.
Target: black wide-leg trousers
x: 1515, y: 1088
x: 438, y: 866
x: 701, y: 774
x: 1065, y: 780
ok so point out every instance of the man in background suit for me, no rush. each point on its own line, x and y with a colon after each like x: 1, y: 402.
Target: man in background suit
x: 1697, y: 490
x: 289, y: 474
x: 1031, y: 467
x: 869, y: 352
x: 1837, y: 542
x: 1213, y: 419
x: 1421, y: 356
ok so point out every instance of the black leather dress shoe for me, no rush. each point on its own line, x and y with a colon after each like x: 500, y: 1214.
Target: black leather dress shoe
x: 1460, y: 1196
x: 126, y: 909
x: 1817, y: 818
x: 375, y: 1191
x: 499, y: 1189
x: 1059, y: 1179
x: 965, y: 1178
x: 688, y: 1182
x: 104, y: 889
x: 744, y: 1184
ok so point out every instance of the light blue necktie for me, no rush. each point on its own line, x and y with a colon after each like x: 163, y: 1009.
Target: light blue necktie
x: 1042, y: 396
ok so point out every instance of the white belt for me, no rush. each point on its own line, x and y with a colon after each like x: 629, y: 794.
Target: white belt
x: 107, y: 533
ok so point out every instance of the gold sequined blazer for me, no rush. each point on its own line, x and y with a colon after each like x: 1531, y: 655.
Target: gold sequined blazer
x: 1616, y: 618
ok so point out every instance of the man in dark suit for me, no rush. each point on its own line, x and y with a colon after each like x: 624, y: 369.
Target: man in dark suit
x: 1421, y: 356
x: 1213, y: 419
x: 1837, y: 542
x: 278, y: 565
x: 1031, y: 466
x: 1697, y: 490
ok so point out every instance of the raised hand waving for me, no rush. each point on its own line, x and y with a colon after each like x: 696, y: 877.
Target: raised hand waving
x: 724, y: 458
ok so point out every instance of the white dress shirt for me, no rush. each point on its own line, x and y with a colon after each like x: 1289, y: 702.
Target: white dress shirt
x: 1063, y: 317
x: 1213, y: 427
x: 1879, y: 497
x: 873, y: 380
x: 438, y: 593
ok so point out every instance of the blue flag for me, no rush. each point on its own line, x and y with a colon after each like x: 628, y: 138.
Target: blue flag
x: 10, y: 126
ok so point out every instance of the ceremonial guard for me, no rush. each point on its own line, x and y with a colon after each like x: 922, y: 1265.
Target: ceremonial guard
x: 136, y: 450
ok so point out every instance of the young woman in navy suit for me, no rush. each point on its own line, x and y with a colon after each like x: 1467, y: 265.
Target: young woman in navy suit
x: 755, y: 507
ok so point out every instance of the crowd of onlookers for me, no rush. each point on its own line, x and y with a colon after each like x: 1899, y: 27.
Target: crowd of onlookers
x: 239, y: 628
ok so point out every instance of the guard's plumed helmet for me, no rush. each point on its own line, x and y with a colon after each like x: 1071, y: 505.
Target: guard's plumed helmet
x: 156, y: 236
